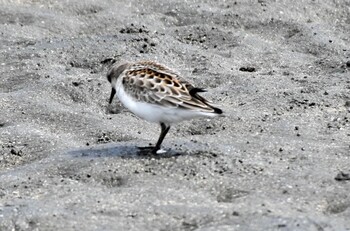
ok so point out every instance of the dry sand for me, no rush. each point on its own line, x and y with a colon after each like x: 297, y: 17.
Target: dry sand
x: 280, y: 71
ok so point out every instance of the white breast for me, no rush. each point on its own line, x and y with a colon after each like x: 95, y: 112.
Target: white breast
x: 155, y: 113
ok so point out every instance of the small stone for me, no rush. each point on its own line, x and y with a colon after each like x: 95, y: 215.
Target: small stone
x: 235, y: 213
x: 341, y: 176
x: 17, y: 153
x: 247, y: 69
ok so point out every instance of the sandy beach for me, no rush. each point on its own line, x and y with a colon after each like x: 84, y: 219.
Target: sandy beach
x: 278, y: 160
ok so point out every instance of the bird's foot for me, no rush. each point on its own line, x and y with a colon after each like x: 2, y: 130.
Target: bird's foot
x: 149, y: 150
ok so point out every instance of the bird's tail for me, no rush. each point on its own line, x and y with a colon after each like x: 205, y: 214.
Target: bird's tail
x: 194, y: 93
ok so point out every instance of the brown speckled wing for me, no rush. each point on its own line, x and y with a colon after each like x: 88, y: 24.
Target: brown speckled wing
x: 157, y: 84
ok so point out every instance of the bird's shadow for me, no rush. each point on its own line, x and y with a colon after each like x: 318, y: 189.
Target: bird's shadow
x: 129, y: 151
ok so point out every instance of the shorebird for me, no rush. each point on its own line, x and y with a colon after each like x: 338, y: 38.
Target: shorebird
x: 158, y: 94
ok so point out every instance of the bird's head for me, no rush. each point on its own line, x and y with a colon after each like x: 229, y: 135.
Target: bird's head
x: 112, y: 76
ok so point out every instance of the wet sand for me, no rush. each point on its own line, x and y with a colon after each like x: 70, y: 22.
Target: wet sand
x: 278, y: 160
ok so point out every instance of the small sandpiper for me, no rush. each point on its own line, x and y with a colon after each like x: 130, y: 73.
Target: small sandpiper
x: 158, y: 94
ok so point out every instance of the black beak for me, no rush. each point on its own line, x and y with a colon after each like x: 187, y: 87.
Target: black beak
x: 112, y: 95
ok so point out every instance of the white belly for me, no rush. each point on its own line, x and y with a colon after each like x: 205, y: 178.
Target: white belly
x: 155, y: 113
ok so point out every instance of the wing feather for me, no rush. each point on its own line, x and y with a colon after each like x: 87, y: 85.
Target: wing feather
x: 154, y: 83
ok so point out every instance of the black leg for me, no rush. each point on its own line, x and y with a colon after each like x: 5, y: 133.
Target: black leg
x: 150, y: 149
x: 164, y: 131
